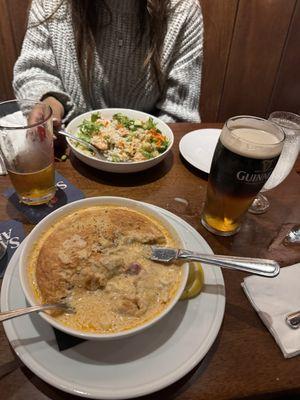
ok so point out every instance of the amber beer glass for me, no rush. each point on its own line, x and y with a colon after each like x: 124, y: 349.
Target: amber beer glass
x: 245, y: 156
x: 26, y: 140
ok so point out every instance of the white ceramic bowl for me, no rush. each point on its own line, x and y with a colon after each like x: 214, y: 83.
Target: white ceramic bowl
x: 70, y: 208
x: 119, y: 167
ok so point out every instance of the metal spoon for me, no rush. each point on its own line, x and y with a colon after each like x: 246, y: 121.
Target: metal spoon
x: 83, y: 142
x: 293, y: 236
x: 293, y: 320
x: 27, y: 310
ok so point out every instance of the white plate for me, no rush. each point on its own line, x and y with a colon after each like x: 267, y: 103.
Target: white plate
x: 197, y: 147
x: 130, y: 367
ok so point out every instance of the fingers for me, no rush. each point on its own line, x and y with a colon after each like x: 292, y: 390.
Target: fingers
x: 57, y: 108
x: 56, y: 126
x: 56, y: 123
x: 36, y: 115
x: 57, y: 113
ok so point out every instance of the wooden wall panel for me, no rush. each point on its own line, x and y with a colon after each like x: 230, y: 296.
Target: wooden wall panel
x: 219, y: 19
x: 286, y: 93
x: 7, y: 52
x: 17, y: 10
x: 257, y: 44
x: 13, y: 18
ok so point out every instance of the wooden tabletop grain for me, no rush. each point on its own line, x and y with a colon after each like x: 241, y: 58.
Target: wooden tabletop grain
x: 244, y: 362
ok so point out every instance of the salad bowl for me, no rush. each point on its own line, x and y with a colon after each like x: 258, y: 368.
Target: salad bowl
x: 80, y: 125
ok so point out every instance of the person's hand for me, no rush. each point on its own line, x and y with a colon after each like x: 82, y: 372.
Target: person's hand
x: 37, y: 115
x: 57, y: 111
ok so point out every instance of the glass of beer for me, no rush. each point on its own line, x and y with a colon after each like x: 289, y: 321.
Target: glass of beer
x: 246, y: 154
x: 26, y: 141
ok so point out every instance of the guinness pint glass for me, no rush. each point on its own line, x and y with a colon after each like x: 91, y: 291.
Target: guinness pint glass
x: 245, y: 156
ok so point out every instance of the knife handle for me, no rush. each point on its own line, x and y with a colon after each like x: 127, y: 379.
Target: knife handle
x: 258, y: 266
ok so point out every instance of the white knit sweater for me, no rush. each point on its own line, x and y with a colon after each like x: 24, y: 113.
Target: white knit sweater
x: 48, y: 62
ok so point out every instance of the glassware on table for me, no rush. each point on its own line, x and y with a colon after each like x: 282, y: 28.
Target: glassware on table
x: 26, y: 140
x: 245, y: 156
x: 293, y: 236
x: 290, y: 123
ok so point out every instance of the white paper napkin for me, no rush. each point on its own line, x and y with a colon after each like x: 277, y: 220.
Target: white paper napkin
x: 273, y: 299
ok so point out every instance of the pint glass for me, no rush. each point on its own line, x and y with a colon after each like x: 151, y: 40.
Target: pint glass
x: 26, y: 142
x: 245, y: 156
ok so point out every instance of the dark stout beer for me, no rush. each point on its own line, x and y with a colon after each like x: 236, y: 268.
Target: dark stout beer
x: 243, y: 161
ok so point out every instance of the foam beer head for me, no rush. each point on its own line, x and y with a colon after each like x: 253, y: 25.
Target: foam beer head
x: 252, y: 142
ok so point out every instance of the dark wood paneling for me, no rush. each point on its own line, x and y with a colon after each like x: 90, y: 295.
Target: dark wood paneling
x: 13, y: 18
x: 7, y: 52
x: 258, y: 41
x: 219, y: 18
x: 17, y: 10
x: 286, y: 94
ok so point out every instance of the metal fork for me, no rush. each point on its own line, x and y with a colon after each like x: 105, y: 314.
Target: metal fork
x: 258, y: 266
x: 293, y: 237
x: 84, y: 143
x: 27, y: 310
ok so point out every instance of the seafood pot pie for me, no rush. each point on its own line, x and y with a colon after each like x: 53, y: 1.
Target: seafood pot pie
x: 97, y: 259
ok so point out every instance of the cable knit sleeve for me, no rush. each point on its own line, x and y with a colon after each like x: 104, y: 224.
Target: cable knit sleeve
x: 35, y: 72
x: 181, y: 96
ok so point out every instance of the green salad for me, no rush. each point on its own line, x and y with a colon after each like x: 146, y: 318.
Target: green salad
x: 123, y: 139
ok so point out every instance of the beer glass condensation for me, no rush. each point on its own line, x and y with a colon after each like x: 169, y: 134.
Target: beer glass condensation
x: 246, y: 154
x: 26, y: 140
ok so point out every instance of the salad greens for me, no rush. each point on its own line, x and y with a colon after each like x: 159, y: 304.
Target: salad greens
x: 123, y: 138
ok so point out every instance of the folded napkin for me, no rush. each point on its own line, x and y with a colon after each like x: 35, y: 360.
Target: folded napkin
x: 273, y: 299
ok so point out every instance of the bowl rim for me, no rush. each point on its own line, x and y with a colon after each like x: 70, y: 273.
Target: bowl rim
x: 72, y: 207
x: 122, y: 162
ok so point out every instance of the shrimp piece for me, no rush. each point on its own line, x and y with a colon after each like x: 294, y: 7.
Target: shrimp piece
x: 98, y: 142
x: 121, y: 144
x: 105, y: 122
x: 123, y: 132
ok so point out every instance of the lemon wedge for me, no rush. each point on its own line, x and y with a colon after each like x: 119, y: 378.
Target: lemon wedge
x: 194, y: 282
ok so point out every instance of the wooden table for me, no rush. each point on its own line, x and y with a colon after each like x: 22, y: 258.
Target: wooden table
x: 244, y: 361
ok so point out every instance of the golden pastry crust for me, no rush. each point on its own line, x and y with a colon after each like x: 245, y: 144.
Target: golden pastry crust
x: 85, y: 249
